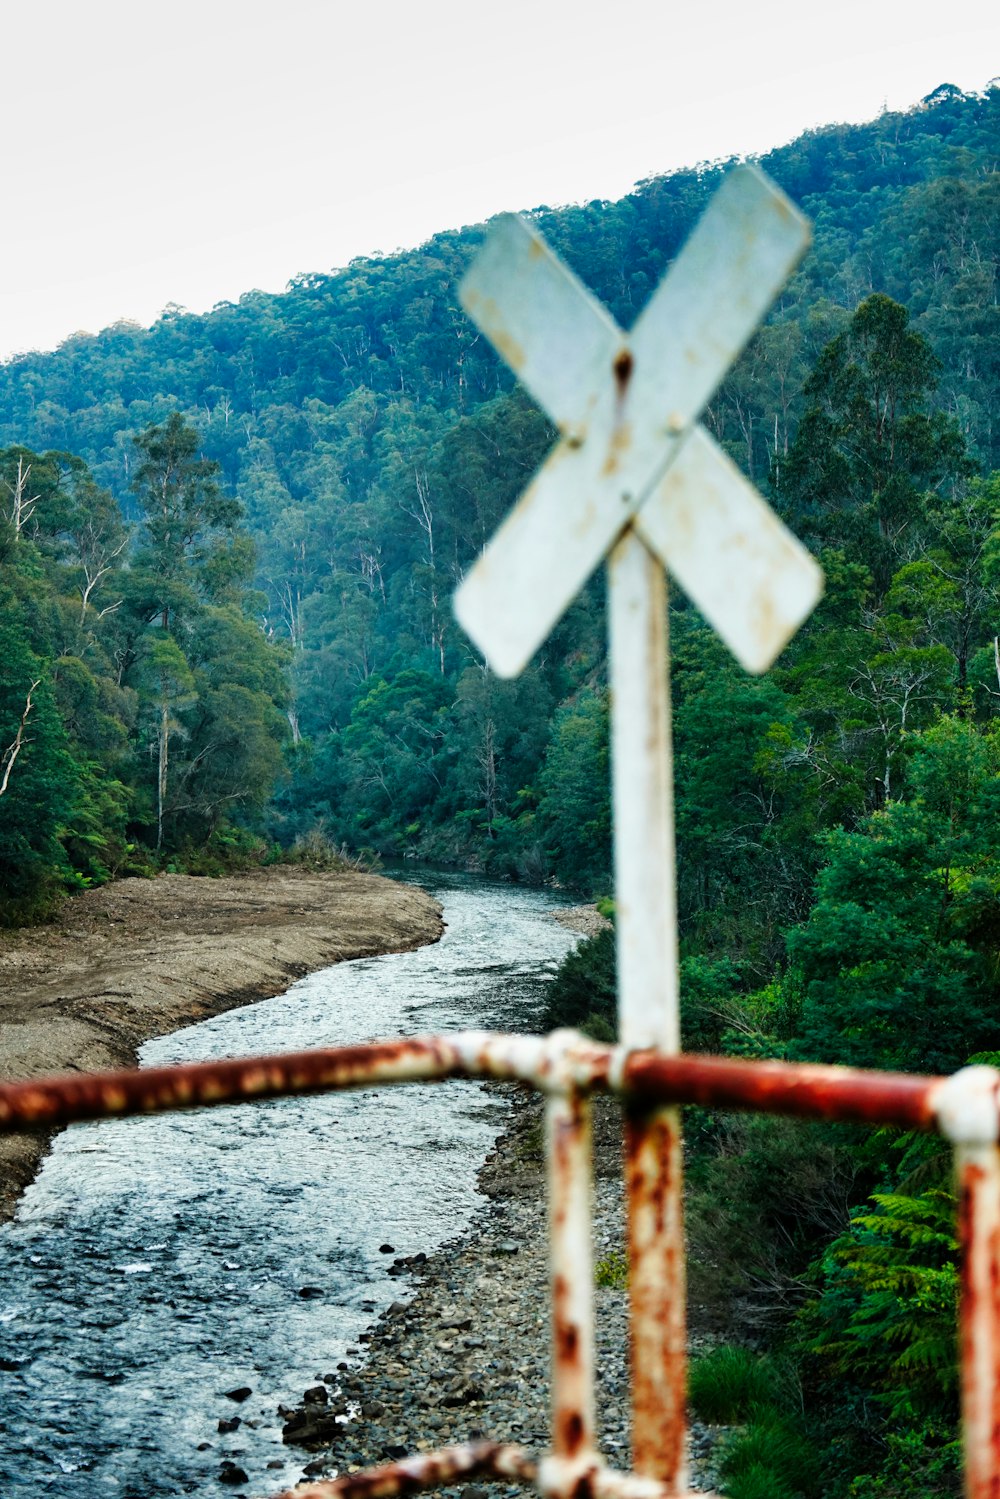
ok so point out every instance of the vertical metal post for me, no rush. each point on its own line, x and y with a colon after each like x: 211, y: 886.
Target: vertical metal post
x: 568, y: 1151
x: 648, y: 997
x: 978, y: 1169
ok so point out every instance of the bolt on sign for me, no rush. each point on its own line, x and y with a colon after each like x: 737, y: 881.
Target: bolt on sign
x: 634, y: 480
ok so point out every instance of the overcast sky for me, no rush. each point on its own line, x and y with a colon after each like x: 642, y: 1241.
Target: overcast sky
x: 187, y: 153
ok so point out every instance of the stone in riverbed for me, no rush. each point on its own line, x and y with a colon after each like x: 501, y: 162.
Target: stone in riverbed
x: 242, y: 1392
x: 312, y: 1425
x: 464, y: 1395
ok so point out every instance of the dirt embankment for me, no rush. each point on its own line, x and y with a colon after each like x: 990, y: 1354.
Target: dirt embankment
x: 142, y: 957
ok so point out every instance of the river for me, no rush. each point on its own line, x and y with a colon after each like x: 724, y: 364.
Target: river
x: 156, y: 1264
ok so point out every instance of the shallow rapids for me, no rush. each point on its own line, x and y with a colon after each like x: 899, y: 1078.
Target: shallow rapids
x: 157, y: 1264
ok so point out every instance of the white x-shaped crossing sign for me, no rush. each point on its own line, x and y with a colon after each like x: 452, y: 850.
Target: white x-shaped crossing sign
x: 634, y: 479
x: 625, y: 408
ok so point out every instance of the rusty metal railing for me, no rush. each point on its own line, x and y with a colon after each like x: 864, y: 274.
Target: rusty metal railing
x: 964, y: 1108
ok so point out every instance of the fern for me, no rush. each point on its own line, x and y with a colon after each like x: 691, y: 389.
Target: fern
x: 885, y: 1317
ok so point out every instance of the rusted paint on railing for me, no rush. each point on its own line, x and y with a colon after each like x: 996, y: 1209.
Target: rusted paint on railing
x: 566, y: 1480
x: 978, y: 1171
x: 425, y: 1471
x: 653, y: 1179
x: 568, y: 1151
x: 798, y: 1089
x: 969, y: 1115
x: 471, y: 1054
x: 552, y: 1064
x: 556, y: 1476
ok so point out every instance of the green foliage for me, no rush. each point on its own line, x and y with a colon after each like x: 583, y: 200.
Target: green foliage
x: 611, y: 1271
x: 574, y: 805
x: 771, y: 1452
x: 42, y: 783
x: 905, y: 924
x: 225, y: 849
x: 867, y: 450
x: 922, y: 1461
x: 773, y: 1455
x: 582, y: 995
x: 766, y: 1196
x: 729, y: 1384
x: 886, y: 1313
x: 140, y: 703
x: 529, y: 1149
x: 183, y: 507
x: 737, y: 860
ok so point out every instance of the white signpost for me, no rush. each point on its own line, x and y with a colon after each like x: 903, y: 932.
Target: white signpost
x: 635, y: 480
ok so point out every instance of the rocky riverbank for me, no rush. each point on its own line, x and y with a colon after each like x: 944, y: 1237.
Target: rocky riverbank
x: 463, y: 1353
x: 140, y: 958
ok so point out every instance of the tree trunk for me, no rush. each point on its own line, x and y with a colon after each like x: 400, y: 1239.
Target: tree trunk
x: 10, y: 754
x: 161, y: 780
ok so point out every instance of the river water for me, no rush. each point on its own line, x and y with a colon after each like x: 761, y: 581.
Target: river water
x: 157, y: 1263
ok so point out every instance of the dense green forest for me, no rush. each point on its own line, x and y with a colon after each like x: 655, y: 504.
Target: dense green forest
x: 141, y: 706
x: 227, y: 549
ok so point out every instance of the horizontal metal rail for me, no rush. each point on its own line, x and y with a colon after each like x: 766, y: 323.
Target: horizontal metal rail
x: 449, y: 1465
x: 427, y: 1470
x: 557, y: 1063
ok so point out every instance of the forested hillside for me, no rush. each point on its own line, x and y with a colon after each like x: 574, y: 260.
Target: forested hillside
x: 141, y: 706
x: 373, y: 441
x: 227, y: 550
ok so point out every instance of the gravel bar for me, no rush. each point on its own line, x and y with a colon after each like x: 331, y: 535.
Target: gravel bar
x: 463, y: 1354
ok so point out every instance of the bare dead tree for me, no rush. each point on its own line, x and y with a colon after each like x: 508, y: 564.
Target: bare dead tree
x: 487, y: 760
x: 423, y: 513
x: 96, y: 565
x: 10, y: 754
x: 22, y: 505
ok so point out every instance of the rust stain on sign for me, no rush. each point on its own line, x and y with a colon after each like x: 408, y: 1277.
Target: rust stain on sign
x: 622, y: 370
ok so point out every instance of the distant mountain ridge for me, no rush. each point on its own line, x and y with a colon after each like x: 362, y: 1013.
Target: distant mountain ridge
x: 878, y: 194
